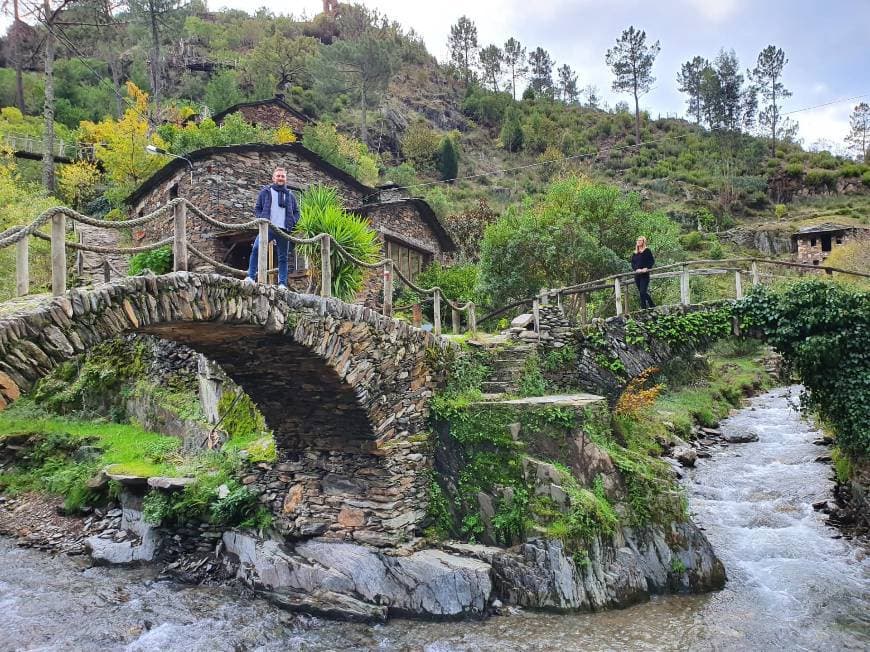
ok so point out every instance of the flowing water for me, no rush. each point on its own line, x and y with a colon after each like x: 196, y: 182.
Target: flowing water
x: 792, y: 584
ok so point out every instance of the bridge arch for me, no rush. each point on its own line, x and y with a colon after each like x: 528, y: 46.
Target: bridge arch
x: 344, y: 388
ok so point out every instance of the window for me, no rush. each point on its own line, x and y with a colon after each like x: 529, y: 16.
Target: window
x: 839, y: 239
x: 812, y: 242
x: 815, y: 262
x: 173, y: 191
x: 410, y: 262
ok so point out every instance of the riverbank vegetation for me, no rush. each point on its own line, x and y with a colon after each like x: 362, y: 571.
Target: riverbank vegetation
x: 487, y: 458
x: 822, y: 330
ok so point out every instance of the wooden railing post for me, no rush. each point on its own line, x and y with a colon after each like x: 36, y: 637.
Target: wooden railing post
x: 179, y: 254
x: 107, y: 271
x: 545, y: 297
x: 584, y: 311
x: 22, y: 266
x: 417, y: 315
x: 58, y: 254
x: 388, y: 288
x: 685, y: 299
x: 472, y: 318
x: 454, y: 317
x: 436, y: 312
x: 617, y: 295
x: 263, y: 252
x: 754, y: 270
x: 326, y: 266
x: 738, y: 285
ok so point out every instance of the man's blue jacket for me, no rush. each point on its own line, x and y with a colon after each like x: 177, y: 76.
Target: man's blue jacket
x: 263, y: 208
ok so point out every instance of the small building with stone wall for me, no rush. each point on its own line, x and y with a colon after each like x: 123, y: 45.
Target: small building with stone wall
x: 271, y: 114
x: 224, y: 181
x: 815, y: 243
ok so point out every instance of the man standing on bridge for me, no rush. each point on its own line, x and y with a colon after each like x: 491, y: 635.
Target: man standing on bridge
x: 277, y: 204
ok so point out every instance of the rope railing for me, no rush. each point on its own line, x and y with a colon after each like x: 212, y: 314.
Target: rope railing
x: 683, y: 271
x: 178, y: 210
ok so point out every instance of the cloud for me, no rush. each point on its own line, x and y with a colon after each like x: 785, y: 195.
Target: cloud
x: 716, y: 11
x: 825, y: 123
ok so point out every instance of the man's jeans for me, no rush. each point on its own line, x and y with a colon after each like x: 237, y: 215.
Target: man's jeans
x: 282, y: 246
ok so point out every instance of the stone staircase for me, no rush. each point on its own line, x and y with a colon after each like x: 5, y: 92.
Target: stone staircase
x: 507, y: 367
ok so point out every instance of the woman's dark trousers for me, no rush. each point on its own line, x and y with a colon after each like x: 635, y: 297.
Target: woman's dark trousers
x: 642, y: 282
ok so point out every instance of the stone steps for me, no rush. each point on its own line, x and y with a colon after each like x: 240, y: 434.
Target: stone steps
x: 506, y: 369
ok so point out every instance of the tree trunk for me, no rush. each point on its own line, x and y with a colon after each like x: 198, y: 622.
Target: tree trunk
x: 363, y: 129
x: 155, y: 56
x: 773, y: 124
x: 114, y: 68
x: 48, y: 179
x: 636, y: 116
x: 16, y: 53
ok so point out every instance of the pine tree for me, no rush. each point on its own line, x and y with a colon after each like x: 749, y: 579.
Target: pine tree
x: 631, y: 60
x: 463, y: 45
x: 689, y: 79
x: 567, y: 84
x: 859, y: 131
x: 515, y: 60
x: 491, y: 59
x: 541, y: 72
x: 767, y: 77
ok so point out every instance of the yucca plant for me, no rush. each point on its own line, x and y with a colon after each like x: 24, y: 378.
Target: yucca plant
x: 322, y: 213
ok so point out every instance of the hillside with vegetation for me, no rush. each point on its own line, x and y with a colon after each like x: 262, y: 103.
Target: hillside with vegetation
x: 498, y: 137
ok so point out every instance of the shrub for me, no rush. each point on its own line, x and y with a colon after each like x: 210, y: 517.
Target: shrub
x: 486, y: 107
x: 159, y: 261
x: 342, y: 151
x: 420, y: 145
x: 512, y: 136
x: 865, y: 178
x: 852, y: 170
x: 794, y: 169
x: 448, y: 159
x: 780, y: 211
x: 819, y: 178
x: 322, y: 213
x: 458, y: 282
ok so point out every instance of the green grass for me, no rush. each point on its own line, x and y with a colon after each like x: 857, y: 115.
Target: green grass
x: 128, y: 449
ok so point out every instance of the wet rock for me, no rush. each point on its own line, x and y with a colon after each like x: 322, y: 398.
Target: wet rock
x: 169, y: 484
x: 739, y: 437
x: 685, y: 455
x: 425, y: 583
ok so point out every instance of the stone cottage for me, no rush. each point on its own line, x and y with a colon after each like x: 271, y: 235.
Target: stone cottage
x: 271, y: 114
x: 814, y: 243
x: 224, y: 182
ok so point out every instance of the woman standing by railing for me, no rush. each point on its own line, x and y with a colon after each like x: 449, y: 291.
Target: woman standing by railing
x: 642, y: 262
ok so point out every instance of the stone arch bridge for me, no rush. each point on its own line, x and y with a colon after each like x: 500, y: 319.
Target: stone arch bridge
x: 344, y: 388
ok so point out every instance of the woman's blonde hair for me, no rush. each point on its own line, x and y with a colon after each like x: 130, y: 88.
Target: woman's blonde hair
x: 636, y: 247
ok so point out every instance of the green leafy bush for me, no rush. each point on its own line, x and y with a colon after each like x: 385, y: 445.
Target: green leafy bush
x: 159, y: 261
x: 822, y: 329
x: 458, y: 282
x: 819, y: 178
x: 448, y: 159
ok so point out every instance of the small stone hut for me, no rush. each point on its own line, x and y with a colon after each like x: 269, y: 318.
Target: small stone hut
x: 271, y: 114
x: 814, y: 243
x: 224, y: 182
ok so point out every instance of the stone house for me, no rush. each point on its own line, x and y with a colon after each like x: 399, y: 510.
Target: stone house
x: 271, y: 114
x: 814, y: 243
x: 224, y: 182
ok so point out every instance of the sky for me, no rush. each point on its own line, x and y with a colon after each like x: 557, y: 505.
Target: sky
x: 827, y: 42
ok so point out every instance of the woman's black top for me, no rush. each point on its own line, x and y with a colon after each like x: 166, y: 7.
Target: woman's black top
x: 641, y: 260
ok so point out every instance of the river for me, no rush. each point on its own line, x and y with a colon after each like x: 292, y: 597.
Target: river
x: 792, y: 584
